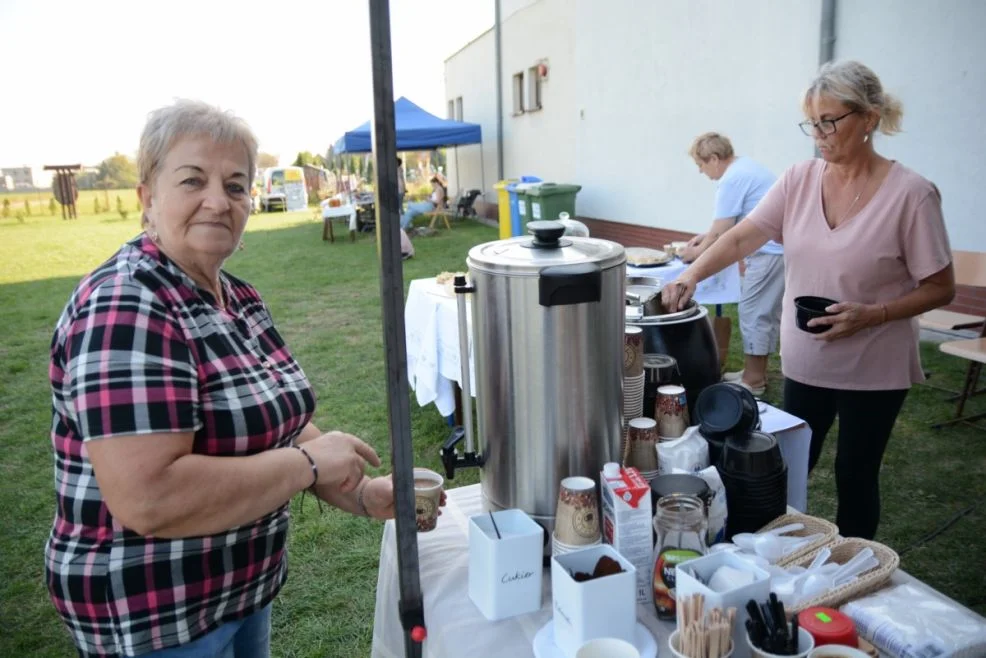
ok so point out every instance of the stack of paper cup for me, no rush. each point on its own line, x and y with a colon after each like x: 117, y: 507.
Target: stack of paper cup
x: 633, y: 375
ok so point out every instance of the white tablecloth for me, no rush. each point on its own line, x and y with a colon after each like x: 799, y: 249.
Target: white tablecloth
x: 431, y: 327
x: 721, y: 288
x: 348, y: 210
x: 456, y: 627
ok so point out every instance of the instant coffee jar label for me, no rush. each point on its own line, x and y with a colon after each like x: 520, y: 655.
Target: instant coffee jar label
x: 664, y: 578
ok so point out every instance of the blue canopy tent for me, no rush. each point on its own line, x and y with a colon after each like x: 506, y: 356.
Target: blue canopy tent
x: 417, y: 130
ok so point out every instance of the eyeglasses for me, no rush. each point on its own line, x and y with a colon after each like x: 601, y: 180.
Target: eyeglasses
x: 825, y: 126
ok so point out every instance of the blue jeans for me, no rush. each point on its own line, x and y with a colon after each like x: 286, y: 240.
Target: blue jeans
x: 245, y: 638
x: 413, y: 210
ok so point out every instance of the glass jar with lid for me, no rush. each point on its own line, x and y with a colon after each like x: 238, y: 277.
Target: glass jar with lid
x: 681, y: 525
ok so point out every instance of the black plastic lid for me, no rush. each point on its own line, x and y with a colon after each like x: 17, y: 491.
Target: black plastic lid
x: 719, y: 408
x: 679, y: 483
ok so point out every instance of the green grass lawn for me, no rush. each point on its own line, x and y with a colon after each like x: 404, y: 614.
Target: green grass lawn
x: 325, y: 300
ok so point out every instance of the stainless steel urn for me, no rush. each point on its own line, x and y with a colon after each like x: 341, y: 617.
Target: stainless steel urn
x: 548, y: 324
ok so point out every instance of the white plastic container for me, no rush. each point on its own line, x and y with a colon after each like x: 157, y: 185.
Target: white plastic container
x: 600, y: 608
x: 505, y: 572
x: 704, y: 567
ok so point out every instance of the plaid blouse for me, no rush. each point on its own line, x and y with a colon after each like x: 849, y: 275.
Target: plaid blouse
x: 141, y: 349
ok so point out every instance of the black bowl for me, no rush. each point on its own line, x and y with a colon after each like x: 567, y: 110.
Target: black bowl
x: 755, y: 456
x: 808, y: 308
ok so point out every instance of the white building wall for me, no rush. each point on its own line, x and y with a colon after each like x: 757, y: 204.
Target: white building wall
x: 653, y: 76
x: 469, y: 74
x: 631, y: 84
x: 933, y: 57
x: 539, y: 143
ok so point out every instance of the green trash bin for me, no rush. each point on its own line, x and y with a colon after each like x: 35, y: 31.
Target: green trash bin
x: 546, y: 201
x: 522, y: 190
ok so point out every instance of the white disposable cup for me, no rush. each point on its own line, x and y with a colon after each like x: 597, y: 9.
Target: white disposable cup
x: 836, y: 651
x: 607, y: 647
x: 805, y: 642
x: 673, y: 645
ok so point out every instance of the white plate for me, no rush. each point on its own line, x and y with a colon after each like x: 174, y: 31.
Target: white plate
x: 545, y: 647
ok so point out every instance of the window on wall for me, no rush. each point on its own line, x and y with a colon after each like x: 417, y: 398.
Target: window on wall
x: 451, y: 110
x: 458, y: 108
x: 533, y: 90
x: 518, y: 89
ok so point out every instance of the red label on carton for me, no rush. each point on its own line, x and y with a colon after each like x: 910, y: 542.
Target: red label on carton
x: 631, y: 487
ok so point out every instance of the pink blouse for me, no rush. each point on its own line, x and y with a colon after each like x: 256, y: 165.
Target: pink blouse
x: 878, y: 255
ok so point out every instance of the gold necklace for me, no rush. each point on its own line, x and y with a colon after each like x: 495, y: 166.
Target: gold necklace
x: 852, y: 205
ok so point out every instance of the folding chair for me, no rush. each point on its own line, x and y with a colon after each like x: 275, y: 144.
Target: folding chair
x: 970, y: 270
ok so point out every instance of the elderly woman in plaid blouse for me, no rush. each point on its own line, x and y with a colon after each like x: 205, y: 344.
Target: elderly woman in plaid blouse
x: 182, y: 423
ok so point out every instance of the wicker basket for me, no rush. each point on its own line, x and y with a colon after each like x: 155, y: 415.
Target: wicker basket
x: 843, y: 550
x: 813, y: 526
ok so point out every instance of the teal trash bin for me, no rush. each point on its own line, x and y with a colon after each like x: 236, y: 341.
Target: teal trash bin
x: 518, y: 206
x: 546, y: 201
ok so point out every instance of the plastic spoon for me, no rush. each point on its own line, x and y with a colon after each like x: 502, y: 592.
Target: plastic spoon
x: 748, y: 538
x: 819, y: 582
x: 821, y: 558
x: 851, y: 567
x: 784, y: 529
x: 861, y: 568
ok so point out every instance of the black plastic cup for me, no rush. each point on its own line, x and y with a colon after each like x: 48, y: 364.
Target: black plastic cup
x: 809, y: 308
x: 754, y: 456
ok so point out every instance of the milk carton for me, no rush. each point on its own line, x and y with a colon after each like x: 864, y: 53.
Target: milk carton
x: 626, y: 511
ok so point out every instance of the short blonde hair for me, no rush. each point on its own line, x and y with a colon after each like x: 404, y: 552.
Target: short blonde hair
x: 166, y: 125
x: 711, y: 144
x: 857, y: 87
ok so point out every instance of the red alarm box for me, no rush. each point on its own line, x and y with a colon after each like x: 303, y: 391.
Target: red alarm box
x: 828, y: 626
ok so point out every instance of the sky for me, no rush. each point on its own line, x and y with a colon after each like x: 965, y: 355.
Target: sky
x: 78, y: 78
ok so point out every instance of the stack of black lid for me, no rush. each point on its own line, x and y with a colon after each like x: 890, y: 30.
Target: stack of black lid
x: 749, y: 461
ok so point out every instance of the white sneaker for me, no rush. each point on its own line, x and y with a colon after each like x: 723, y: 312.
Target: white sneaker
x: 733, y: 376
x: 756, y: 390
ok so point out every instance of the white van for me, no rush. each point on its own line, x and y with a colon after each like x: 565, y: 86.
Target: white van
x: 283, y: 187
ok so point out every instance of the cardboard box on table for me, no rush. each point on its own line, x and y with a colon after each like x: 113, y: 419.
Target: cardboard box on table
x: 703, y: 567
x: 601, y: 607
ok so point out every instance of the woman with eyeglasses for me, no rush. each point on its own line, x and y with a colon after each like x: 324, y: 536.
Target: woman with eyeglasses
x: 865, y: 231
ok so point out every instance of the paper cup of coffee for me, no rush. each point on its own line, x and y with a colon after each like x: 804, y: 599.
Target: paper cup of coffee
x: 427, y: 498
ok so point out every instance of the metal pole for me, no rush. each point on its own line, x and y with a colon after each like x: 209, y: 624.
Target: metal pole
x: 826, y: 39
x: 458, y: 174
x: 482, y: 172
x: 410, y: 606
x: 499, y: 89
x: 826, y: 42
x: 464, y: 361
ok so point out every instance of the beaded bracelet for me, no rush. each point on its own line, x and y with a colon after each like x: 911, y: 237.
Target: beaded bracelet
x: 359, y: 499
x: 312, y: 462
